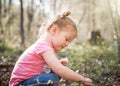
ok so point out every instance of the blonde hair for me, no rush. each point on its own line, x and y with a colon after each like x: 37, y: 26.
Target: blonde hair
x: 61, y: 21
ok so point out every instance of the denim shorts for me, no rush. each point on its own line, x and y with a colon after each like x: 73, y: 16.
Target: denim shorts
x: 44, y: 79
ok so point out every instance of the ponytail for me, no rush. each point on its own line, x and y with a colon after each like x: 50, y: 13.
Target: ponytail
x: 66, y: 13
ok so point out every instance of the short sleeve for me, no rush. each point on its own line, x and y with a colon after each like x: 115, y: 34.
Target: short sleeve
x: 42, y: 47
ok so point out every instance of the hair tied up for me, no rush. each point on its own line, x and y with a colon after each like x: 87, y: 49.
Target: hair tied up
x: 66, y: 13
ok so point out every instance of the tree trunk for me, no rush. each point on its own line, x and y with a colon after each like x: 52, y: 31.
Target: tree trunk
x: 30, y: 13
x: 9, y: 6
x: 0, y: 12
x: 1, y: 29
x: 116, y: 23
x: 21, y: 24
x: 4, y: 8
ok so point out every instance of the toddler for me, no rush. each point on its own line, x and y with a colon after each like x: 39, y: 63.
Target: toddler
x: 30, y: 69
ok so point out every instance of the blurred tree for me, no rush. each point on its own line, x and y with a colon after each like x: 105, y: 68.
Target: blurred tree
x: 84, y: 12
x: 95, y: 34
x: 9, y: 5
x: 95, y: 37
x: 30, y: 13
x: 115, y: 15
x: 1, y: 27
x: 55, y: 5
x: 0, y: 13
x: 5, y: 8
x: 91, y: 14
x: 21, y: 24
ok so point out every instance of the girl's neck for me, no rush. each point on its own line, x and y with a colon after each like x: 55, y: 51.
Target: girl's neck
x: 47, y: 37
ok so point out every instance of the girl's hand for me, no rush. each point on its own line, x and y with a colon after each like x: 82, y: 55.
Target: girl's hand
x: 64, y: 61
x: 88, y: 82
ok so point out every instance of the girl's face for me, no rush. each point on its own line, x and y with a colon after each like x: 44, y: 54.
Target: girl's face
x: 63, y: 37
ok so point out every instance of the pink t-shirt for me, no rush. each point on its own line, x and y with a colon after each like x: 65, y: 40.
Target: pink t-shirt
x: 30, y: 63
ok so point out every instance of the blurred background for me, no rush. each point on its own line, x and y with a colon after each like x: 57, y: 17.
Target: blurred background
x: 95, y: 53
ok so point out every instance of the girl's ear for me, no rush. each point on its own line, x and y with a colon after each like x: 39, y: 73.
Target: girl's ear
x: 53, y: 29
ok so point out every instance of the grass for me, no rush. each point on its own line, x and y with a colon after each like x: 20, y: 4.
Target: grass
x: 92, y: 60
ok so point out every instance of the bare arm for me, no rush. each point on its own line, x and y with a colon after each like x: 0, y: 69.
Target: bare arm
x: 60, y: 69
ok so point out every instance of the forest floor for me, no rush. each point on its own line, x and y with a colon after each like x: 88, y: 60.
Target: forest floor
x: 105, y: 79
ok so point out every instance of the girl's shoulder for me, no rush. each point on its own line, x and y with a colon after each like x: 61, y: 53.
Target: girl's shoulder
x: 43, y: 43
x: 41, y: 46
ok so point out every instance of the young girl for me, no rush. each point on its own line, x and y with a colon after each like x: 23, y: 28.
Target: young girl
x: 30, y: 68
